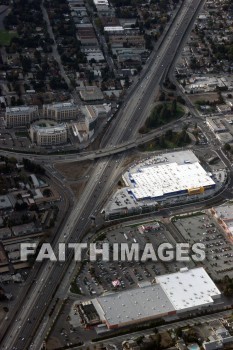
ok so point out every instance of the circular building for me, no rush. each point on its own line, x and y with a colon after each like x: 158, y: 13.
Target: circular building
x: 48, y: 133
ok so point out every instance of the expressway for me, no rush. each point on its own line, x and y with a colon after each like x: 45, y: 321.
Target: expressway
x: 137, y: 109
x: 102, y: 152
x: 30, y: 315
x: 139, y: 97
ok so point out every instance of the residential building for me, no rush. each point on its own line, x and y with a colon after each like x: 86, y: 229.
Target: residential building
x: 6, y: 202
x: 219, y: 337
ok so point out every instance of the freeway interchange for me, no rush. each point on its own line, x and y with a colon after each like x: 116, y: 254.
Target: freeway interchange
x: 30, y: 315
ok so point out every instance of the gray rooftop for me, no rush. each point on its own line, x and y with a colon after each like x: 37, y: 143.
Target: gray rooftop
x: 5, y: 202
x: 127, y: 306
x: 225, y: 212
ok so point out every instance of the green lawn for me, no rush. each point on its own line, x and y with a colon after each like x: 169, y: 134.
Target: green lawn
x: 5, y: 37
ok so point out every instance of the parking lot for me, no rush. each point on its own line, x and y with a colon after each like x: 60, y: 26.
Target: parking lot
x: 212, y: 161
x: 99, y: 277
x: 19, y: 139
x: 219, y: 252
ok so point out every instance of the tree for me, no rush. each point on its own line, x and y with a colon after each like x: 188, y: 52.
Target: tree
x: 47, y: 192
x: 33, y: 167
x: 162, y: 96
x: 174, y: 107
x: 179, y: 332
x: 164, y: 114
x: 21, y: 206
x: 169, y: 134
x: 13, y: 100
x: 26, y: 64
x: 24, y: 218
x: 2, y: 294
x: 126, y: 82
x: 227, y: 147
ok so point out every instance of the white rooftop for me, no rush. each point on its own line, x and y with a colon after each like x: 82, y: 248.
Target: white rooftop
x: 186, y: 289
x: 56, y: 129
x: 101, y: 2
x: 113, y: 28
x: 189, y: 288
x: 20, y: 109
x: 62, y: 105
x: 225, y: 212
x: 161, y: 179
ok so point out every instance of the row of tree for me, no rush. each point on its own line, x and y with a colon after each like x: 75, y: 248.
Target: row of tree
x: 172, y: 139
x: 162, y: 114
x: 33, y: 167
x: 227, y: 286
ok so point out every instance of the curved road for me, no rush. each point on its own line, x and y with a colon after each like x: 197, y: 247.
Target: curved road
x: 30, y: 316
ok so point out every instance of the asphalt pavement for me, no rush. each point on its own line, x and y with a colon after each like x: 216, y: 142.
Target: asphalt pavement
x: 30, y: 315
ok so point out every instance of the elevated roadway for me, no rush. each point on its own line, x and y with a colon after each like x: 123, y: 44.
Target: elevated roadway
x: 30, y: 315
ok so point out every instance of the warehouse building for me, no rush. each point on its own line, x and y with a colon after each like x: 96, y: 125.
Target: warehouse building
x: 166, y: 179
x: 172, y: 294
x: 172, y: 177
x: 133, y: 306
x: 189, y: 290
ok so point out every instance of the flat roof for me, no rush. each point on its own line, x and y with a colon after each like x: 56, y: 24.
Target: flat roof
x: 134, y: 304
x: 189, y: 288
x: 225, y: 137
x: 177, y: 157
x: 20, y: 109
x: 91, y: 93
x: 5, y: 202
x: 159, y: 180
x: 173, y: 292
x: 113, y: 28
x: 61, y: 105
x: 56, y: 129
x: 101, y: 2
x: 225, y: 212
x: 216, y: 124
